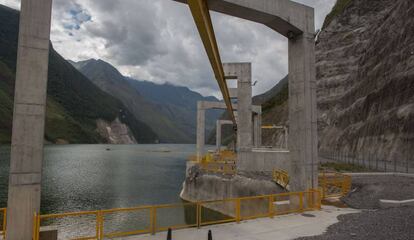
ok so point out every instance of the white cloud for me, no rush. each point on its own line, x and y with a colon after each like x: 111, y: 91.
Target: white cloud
x: 157, y: 40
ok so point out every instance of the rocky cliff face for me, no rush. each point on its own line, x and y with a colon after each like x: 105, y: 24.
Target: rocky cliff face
x: 365, y: 79
x: 115, y: 132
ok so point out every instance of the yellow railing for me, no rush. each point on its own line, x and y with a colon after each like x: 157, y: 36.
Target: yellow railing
x: 225, y: 155
x: 281, y: 177
x: 233, y: 210
x: 334, y: 184
x: 224, y: 167
x: 223, y: 162
x: 3, y: 219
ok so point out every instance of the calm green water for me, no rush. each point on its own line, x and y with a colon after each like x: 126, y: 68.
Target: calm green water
x: 89, y: 177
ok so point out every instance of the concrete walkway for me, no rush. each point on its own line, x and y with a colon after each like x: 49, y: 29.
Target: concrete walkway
x: 280, y: 228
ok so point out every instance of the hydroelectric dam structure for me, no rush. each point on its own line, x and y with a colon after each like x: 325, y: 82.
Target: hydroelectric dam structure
x: 290, y: 19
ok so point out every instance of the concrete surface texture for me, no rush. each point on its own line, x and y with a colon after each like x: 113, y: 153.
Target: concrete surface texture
x: 201, y: 130
x: 243, y: 73
x: 29, y: 118
x: 257, y: 130
x: 264, y: 160
x: 283, y: 16
x: 280, y: 228
x: 199, y: 185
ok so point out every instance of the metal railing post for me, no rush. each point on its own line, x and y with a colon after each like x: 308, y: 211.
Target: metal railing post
x: 153, y: 216
x: 198, y: 214
x: 100, y: 225
x: 36, y: 226
x: 300, y: 201
x: 238, y: 211
x: 271, y: 201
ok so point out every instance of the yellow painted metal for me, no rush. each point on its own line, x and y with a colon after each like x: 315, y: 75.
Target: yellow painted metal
x: 271, y: 207
x: 223, y: 162
x: 200, y: 11
x: 268, y: 127
x: 3, y: 213
x: 265, y: 203
x: 334, y: 184
x: 281, y: 177
x: 238, y: 214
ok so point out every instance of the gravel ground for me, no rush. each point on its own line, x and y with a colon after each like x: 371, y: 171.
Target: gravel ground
x: 373, y: 223
x: 367, y: 191
x: 384, y: 224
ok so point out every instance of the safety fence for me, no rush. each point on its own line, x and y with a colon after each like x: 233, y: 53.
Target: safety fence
x: 334, y: 184
x: 3, y: 218
x: 224, y: 167
x: 372, y: 162
x: 104, y: 224
x: 223, y: 162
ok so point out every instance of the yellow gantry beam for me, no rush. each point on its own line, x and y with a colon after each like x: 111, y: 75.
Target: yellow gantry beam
x: 199, y: 10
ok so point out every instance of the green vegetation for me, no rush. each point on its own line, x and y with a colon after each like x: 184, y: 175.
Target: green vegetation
x: 336, y: 10
x: 61, y: 126
x: 74, y: 103
x: 342, y: 167
x: 6, y: 104
x: 277, y: 100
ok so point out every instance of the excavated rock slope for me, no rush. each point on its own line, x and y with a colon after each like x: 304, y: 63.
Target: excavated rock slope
x: 365, y: 79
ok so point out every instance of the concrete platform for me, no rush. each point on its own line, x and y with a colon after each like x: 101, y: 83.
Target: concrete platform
x: 282, y: 227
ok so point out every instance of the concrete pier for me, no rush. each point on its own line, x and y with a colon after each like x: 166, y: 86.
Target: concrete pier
x: 303, y: 139
x: 202, y: 106
x: 243, y: 73
x: 296, y: 22
x: 201, y: 130
x: 29, y: 118
x: 257, y: 130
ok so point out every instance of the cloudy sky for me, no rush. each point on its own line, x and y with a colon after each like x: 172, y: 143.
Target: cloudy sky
x: 157, y: 40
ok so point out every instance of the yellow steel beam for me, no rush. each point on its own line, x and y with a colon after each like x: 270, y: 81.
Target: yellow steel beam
x: 201, y: 15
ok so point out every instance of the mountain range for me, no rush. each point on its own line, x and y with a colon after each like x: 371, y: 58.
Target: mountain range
x: 169, y: 110
x: 91, y: 102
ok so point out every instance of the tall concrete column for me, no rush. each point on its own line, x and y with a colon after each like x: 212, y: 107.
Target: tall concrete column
x: 257, y: 129
x: 218, y: 136
x: 302, y: 108
x: 29, y: 118
x: 201, y: 114
x: 243, y: 73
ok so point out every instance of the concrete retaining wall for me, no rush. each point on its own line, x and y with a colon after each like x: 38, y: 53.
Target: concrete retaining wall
x: 200, y: 186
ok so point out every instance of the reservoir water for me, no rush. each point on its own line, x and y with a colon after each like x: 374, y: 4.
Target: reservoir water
x: 93, y: 177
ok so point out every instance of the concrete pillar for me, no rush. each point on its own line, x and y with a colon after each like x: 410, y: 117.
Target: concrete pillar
x: 257, y: 129
x: 243, y: 73
x: 218, y: 136
x: 244, y: 102
x: 29, y: 118
x: 302, y: 109
x: 201, y: 113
